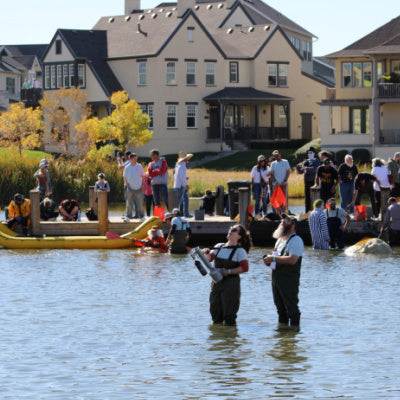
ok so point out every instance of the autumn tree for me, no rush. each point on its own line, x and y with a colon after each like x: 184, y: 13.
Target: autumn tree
x: 127, y: 125
x: 21, y: 127
x: 63, y: 110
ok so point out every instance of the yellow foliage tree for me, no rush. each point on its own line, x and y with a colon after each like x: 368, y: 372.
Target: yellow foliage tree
x: 21, y: 127
x: 63, y: 110
x: 127, y: 125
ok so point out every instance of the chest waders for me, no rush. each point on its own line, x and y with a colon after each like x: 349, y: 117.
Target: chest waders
x: 335, y: 233
x: 178, y: 242
x: 285, y: 289
x: 225, y: 295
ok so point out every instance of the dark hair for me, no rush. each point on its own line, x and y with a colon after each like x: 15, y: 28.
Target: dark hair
x: 259, y: 164
x: 245, y: 238
x: 392, y: 200
x: 324, y: 154
x: 133, y: 155
x: 155, y: 152
x: 127, y: 153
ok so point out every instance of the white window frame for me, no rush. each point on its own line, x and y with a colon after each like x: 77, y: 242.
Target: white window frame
x: 53, y: 79
x: 280, y: 73
x: 171, y: 73
x: 148, y: 109
x: 71, y: 75
x: 210, y: 74
x: 59, y: 76
x: 191, y: 115
x: 234, y: 72
x: 65, y: 75
x: 350, y: 67
x: 172, y: 116
x: 10, y: 84
x: 191, y: 72
x: 142, y: 73
x: 81, y: 75
x: 47, y: 77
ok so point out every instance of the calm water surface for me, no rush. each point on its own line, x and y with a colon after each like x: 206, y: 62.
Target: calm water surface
x: 122, y: 325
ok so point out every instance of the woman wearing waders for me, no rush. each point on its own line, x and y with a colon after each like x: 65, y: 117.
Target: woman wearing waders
x: 231, y: 259
x: 179, y: 234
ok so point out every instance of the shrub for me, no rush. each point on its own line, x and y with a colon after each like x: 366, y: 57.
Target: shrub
x: 340, y: 155
x: 361, y: 156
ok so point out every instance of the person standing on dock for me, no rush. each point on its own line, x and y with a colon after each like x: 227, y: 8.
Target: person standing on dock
x: 363, y: 184
x: 347, y: 174
x: 280, y: 171
x: 259, y: 183
x: 158, y: 172
x: 319, y: 227
x: 334, y: 218
x: 327, y: 179
x: 285, y: 263
x: 133, y: 178
x: 180, y: 182
x: 231, y: 259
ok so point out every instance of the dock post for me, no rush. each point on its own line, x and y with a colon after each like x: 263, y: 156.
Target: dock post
x: 315, y: 194
x: 385, y: 194
x: 92, y: 200
x: 34, y: 195
x: 219, y: 201
x: 173, y: 201
x: 244, y: 202
x: 102, y: 212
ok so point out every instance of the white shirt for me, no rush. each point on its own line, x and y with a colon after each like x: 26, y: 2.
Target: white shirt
x: 133, y: 175
x: 257, y: 175
x: 382, y: 173
x: 180, y: 175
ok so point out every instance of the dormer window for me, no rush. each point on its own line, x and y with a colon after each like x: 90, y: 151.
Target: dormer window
x: 58, y: 47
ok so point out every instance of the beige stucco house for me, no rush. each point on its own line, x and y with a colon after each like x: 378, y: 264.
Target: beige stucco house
x: 211, y: 75
x: 364, y: 109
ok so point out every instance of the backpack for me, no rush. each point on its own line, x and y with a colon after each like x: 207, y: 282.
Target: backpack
x: 91, y: 215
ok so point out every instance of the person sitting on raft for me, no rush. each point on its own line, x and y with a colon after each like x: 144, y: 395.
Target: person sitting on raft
x: 179, y: 234
x: 69, y: 209
x: 155, y: 236
x: 19, y: 212
x: 48, y: 210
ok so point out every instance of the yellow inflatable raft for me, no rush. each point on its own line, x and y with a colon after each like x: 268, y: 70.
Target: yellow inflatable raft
x: 9, y: 240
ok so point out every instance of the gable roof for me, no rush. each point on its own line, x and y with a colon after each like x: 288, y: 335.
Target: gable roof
x: 90, y: 46
x: 385, y: 37
x: 37, y: 50
x: 144, y: 33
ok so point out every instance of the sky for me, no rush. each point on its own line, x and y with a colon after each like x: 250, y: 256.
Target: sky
x: 336, y: 24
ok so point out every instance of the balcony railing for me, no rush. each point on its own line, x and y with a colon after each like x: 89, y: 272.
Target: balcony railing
x: 250, y: 133
x: 31, y: 96
x: 389, y: 136
x: 389, y: 90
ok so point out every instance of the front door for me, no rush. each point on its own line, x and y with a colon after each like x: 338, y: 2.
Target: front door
x: 306, y: 126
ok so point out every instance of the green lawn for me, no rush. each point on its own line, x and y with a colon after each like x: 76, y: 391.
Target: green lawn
x: 30, y: 154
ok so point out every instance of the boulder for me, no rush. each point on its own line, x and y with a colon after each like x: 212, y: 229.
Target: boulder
x: 370, y: 246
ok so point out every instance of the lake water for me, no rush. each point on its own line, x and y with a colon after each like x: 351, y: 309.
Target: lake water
x: 117, y: 324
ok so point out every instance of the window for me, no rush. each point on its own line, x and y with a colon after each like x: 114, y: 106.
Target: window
x: 59, y: 76
x: 65, y: 75
x: 71, y: 75
x: 10, y: 85
x: 148, y: 109
x: 357, y: 74
x: 171, y: 116
x: 278, y: 74
x: 191, y: 116
x: 359, y: 120
x: 47, y: 77
x: 142, y: 73
x: 210, y: 74
x: 309, y: 51
x: 58, y: 47
x: 305, y: 49
x: 380, y: 70
x: 171, y: 73
x: 297, y: 45
x: 190, y: 73
x: 190, y: 34
x: 396, y: 66
x: 53, y: 76
x: 81, y: 75
x: 234, y: 72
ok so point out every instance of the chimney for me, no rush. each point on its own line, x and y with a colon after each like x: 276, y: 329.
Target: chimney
x: 183, y: 5
x: 131, y: 5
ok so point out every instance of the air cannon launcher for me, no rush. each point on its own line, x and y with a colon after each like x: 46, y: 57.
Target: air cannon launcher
x: 203, y: 264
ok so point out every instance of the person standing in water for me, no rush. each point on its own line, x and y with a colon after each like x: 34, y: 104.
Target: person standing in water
x: 231, y: 259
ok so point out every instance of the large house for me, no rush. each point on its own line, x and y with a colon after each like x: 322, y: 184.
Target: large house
x: 210, y: 74
x: 364, y: 109
x: 17, y: 64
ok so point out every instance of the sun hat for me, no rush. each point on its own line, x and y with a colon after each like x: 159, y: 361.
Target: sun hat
x: 184, y: 156
x: 43, y: 163
x: 275, y: 152
x: 261, y: 158
x: 168, y: 216
x: 101, y: 175
x: 18, y: 197
x: 176, y: 211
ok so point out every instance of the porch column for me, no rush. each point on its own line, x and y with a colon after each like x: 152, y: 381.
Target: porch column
x: 256, y: 119
x: 288, y: 121
x: 221, y: 124
x: 272, y: 121
x: 375, y: 108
